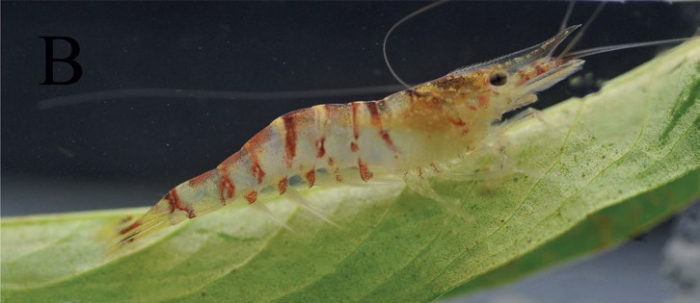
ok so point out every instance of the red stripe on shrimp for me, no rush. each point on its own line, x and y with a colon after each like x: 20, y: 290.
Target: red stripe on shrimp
x: 176, y: 204
x: 320, y: 148
x: 483, y: 101
x: 376, y: 120
x: 256, y: 170
x: 282, y: 185
x: 201, y: 179
x: 387, y: 139
x: 251, y: 197
x: 227, y: 189
x: 311, y: 177
x: 253, y: 147
x: 338, y: 176
x: 365, y: 174
x: 355, y: 126
x: 130, y: 227
x: 290, y: 138
x: 458, y: 122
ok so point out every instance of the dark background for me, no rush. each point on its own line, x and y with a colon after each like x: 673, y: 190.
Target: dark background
x: 251, y: 47
x: 127, y: 147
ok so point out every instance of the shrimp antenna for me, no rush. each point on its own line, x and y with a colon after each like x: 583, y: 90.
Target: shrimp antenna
x: 610, y: 48
x: 388, y: 33
x: 567, y: 15
x: 578, y: 36
x: 604, y: 49
x: 564, y: 22
x: 174, y: 93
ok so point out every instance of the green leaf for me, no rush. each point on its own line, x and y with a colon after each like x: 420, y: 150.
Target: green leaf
x: 599, y: 170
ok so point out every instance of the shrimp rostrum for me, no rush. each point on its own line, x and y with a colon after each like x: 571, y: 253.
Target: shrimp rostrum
x: 367, y: 140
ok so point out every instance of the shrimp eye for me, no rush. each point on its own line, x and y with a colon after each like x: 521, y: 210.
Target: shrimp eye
x: 498, y: 78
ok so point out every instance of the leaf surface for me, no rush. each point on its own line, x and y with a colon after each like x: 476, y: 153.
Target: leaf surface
x: 599, y: 170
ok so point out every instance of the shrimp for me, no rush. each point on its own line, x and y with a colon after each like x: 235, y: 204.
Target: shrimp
x: 400, y: 137
x: 406, y: 131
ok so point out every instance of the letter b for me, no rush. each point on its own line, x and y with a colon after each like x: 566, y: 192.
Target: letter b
x: 74, y: 51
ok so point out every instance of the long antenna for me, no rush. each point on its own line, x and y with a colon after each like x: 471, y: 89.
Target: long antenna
x: 564, y: 22
x: 578, y: 36
x: 174, y: 93
x: 610, y: 48
x: 567, y: 16
x: 388, y: 33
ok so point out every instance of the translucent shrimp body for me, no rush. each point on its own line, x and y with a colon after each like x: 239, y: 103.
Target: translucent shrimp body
x: 411, y: 129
